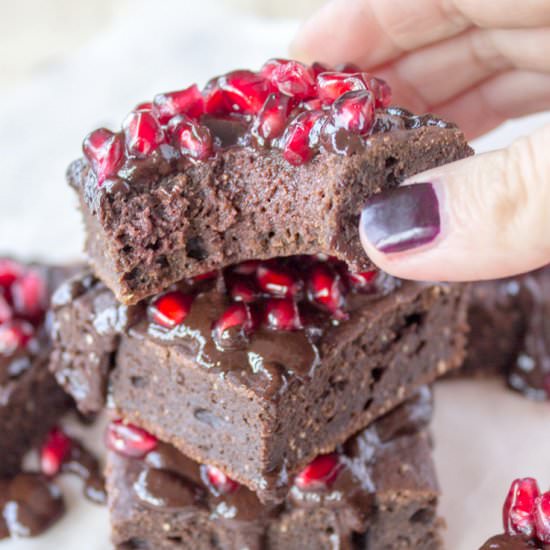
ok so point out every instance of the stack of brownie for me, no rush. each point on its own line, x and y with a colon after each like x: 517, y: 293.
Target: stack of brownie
x: 267, y: 387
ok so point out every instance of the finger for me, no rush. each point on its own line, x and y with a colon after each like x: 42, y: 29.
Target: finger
x: 435, y: 74
x: 374, y: 32
x: 480, y: 218
x: 507, y: 95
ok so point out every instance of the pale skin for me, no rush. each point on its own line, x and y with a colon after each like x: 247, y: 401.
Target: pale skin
x: 478, y: 63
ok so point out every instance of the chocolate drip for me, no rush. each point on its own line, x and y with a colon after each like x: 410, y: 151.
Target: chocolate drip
x: 29, y: 504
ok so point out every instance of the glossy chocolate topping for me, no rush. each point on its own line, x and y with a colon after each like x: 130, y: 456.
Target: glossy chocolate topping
x: 512, y: 542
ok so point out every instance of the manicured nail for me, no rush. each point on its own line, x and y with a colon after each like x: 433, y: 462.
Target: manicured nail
x: 402, y: 218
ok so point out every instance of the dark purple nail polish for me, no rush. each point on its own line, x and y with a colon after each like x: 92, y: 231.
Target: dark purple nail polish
x: 402, y: 218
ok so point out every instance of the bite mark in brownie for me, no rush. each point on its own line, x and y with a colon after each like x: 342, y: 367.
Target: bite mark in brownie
x: 263, y: 407
x: 157, y: 210
x: 383, y: 496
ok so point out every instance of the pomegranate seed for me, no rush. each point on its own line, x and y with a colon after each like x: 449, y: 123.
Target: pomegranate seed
x: 282, y: 314
x: 312, y: 105
x: 144, y: 106
x: 30, y: 296
x: 326, y: 289
x: 54, y: 451
x: 10, y: 271
x: 381, y: 90
x: 15, y: 335
x: 238, y: 91
x: 272, y: 118
x: 278, y: 281
x: 129, y: 440
x: 248, y: 267
x: 243, y: 290
x: 184, y: 102
x: 205, y: 276
x: 542, y: 517
x: 361, y: 280
x: 143, y: 133
x: 320, y: 473
x: 291, y: 78
x: 104, y: 150
x: 318, y: 68
x: 517, y: 513
x: 347, y: 68
x: 301, y: 137
x: 6, y: 312
x: 191, y: 138
x: 170, y: 309
x: 332, y: 85
x: 354, y: 111
x: 237, y: 316
x: 220, y: 482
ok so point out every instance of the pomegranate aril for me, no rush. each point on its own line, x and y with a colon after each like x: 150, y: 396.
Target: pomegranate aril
x: 6, y: 312
x: 381, y: 90
x: 183, y: 102
x: 292, y: 78
x: 332, y: 85
x: 191, y: 138
x: 347, y: 68
x: 320, y: 473
x: 271, y: 121
x: 15, y: 335
x: 361, y: 280
x: 129, y: 440
x: 170, y: 309
x: 282, y: 314
x: 209, y: 275
x: 542, y: 517
x: 220, y: 482
x: 55, y: 450
x: 238, y: 91
x: 326, y: 289
x: 143, y: 133
x: 518, y: 509
x: 278, y: 281
x: 354, y: 111
x: 247, y: 267
x: 10, y: 271
x: 301, y: 137
x: 104, y: 150
x: 243, y: 289
x: 30, y: 296
x: 144, y: 106
x: 312, y: 105
x: 318, y: 68
x: 239, y: 317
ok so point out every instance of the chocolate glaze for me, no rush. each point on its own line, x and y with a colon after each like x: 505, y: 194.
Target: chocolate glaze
x: 512, y: 542
x: 167, y: 479
x: 29, y: 504
x: 235, y: 131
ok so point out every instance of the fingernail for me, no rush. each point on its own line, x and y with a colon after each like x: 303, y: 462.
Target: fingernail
x: 401, y: 219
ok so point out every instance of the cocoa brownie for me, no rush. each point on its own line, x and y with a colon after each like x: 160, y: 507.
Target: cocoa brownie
x: 248, y: 169
x: 30, y: 399
x: 260, y: 386
x: 513, y: 542
x: 510, y: 331
x: 378, y: 491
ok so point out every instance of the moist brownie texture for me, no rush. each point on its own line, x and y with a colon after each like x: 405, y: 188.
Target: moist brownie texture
x: 155, y: 212
x: 30, y: 399
x: 377, y: 491
x: 510, y: 331
x: 261, y: 404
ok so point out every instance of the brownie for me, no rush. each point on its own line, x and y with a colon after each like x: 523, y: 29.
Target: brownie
x: 513, y: 542
x: 262, y: 405
x: 31, y: 401
x: 161, y: 210
x: 378, y: 491
x: 510, y: 331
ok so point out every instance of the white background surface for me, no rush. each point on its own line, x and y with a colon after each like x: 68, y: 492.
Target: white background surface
x: 484, y: 435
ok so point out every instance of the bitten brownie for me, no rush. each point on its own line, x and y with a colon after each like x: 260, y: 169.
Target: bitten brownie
x: 235, y: 375
x: 376, y: 491
x: 510, y: 331
x: 256, y: 166
x: 30, y: 399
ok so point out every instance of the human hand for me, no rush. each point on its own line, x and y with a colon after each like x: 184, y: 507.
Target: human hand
x: 477, y: 63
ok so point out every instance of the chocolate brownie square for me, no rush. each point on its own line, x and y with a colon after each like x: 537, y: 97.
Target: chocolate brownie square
x: 260, y: 386
x: 378, y: 491
x: 31, y: 401
x: 193, y: 183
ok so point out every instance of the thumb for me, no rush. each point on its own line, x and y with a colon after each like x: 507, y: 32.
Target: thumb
x: 483, y: 217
